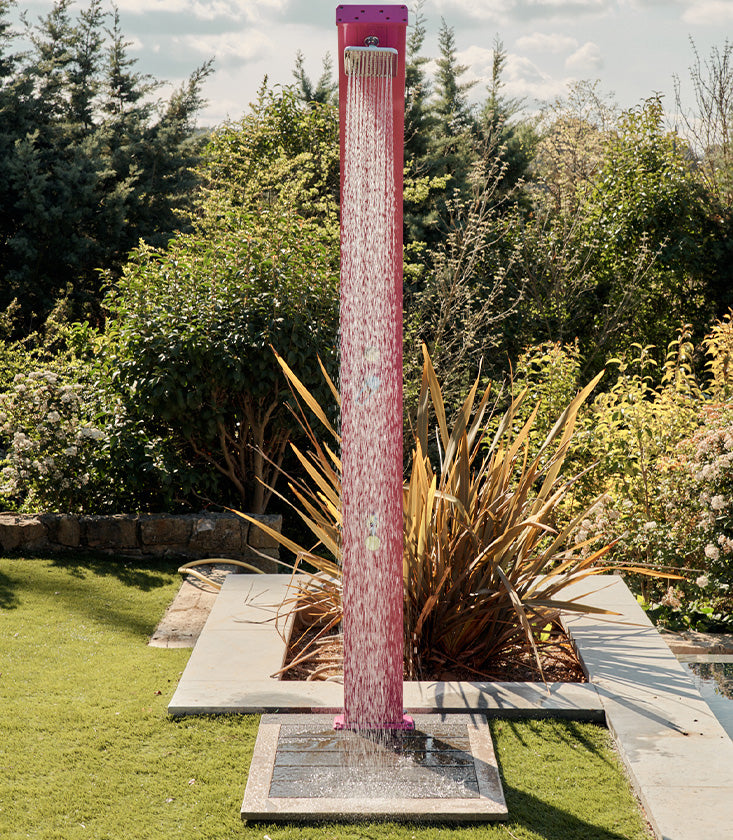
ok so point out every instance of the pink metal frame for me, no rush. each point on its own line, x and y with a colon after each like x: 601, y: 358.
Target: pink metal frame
x: 362, y: 582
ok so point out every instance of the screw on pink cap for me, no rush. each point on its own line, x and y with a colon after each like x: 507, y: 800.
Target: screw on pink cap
x: 371, y: 14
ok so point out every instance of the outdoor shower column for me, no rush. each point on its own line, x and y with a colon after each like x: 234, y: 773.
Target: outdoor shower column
x: 371, y: 54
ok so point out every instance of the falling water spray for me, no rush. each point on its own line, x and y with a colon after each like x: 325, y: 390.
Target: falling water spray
x: 371, y: 104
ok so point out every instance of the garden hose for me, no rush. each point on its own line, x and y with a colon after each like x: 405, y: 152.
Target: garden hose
x: 189, y: 568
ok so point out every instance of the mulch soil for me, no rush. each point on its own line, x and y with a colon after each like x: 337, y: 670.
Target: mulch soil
x: 311, y: 659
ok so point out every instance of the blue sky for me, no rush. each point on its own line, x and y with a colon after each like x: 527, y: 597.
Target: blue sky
x: 634, y: 47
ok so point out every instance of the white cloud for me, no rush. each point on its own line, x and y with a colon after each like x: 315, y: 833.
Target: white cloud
x: 503, y: 10
x: 544, y: 6
x: 217, y: 111
x: 522, y: 78
x: 230, y: 47
x: 546, y: 42
x: 702, y: 12
x: 476, y: 9
x: 586, y: 58
x: 479, y: 61
x: 140, y: 6
x: 252, y: 11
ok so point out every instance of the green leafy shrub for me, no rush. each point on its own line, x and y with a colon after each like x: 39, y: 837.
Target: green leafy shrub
x: 706, y: 613
x: 193, y: 322
x: 633, y: 432
x: 636, y: 422
x: 719, y: 347
x: 549, y: 372
x: 193, y: 330
x: 283, y: 152
x: 665, y: 454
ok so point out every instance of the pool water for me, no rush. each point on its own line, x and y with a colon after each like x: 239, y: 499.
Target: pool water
x: 713, y: 678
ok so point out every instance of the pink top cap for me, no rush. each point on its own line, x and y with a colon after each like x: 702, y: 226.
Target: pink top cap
x: 371, y: 14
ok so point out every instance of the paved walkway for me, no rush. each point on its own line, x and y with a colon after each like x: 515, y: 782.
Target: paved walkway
x: 677, y: 755
x: 184, y: 620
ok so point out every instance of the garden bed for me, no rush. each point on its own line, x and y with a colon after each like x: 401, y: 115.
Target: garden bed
x: 322, y: 659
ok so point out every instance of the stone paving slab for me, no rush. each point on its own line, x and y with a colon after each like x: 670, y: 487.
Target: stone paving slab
x: 197, y: 695
x: 577, y: 701
x: 678, y: 757
x: 445, y: 770
x: 686, y: 811
x: 712, y: 658
x: 692, y: 642
x: 185, y: 618
x: 231, y: 666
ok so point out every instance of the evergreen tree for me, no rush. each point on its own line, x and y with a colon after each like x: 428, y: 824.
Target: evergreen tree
x: 453, y: 142
x: 512, y: 140
x: 441, y: 140
x: 88, y: 166
x: 86, y: 60
x: 452, y: 110
x: 325, y: 91
x: 418, y: 116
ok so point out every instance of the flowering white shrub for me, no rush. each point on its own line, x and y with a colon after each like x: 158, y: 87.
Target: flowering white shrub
x: 53, y: 442
x: 711, y: 465
x: 688, y: 522
x: 71, y: 442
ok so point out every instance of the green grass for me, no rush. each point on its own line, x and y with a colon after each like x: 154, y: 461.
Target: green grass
x: 88, y: 751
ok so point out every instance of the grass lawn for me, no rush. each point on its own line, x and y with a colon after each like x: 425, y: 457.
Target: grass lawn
x: 88, y: 751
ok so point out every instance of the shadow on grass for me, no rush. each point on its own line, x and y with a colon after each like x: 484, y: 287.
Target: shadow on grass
x: 8, y: 598
x: 552, y: 823
x: 144, y: 574
x: 526, y: 813
x: 127, y: 614
x: 575, y: 734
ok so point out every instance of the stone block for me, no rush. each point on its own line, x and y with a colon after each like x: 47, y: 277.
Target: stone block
x: 112, y: 532
x: 265, y: 561
x: 259, y: 538
x: 159, y: 532
x: 217, y: 534
x: 19, y: 531
x: 9, y: 533
x: 63, y: 529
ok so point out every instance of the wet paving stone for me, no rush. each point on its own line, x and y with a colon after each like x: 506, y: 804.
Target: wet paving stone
x: 303, y: 769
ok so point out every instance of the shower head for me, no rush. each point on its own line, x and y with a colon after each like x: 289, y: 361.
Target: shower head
x: 370, y: 61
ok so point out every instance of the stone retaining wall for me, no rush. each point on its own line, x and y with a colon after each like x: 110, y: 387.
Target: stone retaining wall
x: 188, y: 536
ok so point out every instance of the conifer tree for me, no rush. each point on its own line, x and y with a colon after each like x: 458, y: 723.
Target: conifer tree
x: 513, y: 141
x: 88, y: 166
x: 453, y: 141
x: 418, y: 116
x: 452, y: 110
x: 325, y: 90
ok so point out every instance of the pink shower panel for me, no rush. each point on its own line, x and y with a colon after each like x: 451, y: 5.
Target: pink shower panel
x: 371, y: 378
